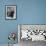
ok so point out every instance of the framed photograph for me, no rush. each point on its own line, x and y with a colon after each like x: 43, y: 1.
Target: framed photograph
x: 10, y: 12
x: 33, y: 32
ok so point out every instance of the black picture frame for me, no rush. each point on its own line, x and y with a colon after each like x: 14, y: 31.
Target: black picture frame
x: 10, y: 12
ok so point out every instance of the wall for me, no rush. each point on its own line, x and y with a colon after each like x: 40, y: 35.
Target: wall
x: 28, y: 12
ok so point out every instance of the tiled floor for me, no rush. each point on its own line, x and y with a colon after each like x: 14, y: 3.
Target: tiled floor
x: 30, y: 43
x: 9, y: 45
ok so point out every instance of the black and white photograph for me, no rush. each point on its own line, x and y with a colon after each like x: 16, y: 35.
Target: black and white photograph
x: 10, y: 12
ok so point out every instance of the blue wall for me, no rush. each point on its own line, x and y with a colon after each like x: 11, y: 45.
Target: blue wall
x: 28, y: 12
